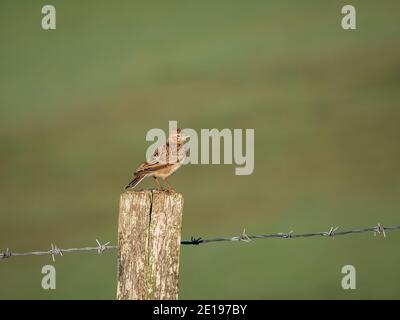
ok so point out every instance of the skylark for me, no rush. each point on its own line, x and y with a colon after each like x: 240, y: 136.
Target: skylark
x: 165, y: 161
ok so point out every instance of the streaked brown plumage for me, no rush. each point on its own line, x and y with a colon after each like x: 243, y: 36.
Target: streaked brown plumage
x: 165, y: 161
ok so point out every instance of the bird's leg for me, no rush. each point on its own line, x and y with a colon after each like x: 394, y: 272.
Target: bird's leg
x: 158, y: 183
x: 170, y: 189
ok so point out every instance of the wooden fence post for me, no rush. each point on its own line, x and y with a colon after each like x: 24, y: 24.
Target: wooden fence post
x: 149, y: 235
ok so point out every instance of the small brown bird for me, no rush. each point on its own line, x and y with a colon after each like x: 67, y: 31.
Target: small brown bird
x: 165, y: 161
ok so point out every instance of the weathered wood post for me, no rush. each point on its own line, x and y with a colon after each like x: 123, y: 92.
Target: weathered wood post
x: 149, y: 233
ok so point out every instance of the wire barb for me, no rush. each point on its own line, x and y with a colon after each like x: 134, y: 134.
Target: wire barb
x: 331, y: 232
x: 193, y: 241
x: 379, y: 229
x: 5, y: 255
x: 55, y: 251
x: 102, y: 247
x: 244, y: 237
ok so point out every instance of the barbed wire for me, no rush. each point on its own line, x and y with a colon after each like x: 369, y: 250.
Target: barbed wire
x: 54, y: 251
x: 332, y: 232
x: 100, y: 248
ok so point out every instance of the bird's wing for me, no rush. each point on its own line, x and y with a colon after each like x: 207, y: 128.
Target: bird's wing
x: 147, y: 167
x: 159, y: 160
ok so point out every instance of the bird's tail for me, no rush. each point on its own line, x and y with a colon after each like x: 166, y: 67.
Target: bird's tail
x: 136, y: 180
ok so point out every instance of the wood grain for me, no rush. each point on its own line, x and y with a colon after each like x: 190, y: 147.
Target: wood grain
x: 149, y: 233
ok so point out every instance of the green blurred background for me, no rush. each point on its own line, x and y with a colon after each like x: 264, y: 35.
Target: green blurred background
x: 76, y: 103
